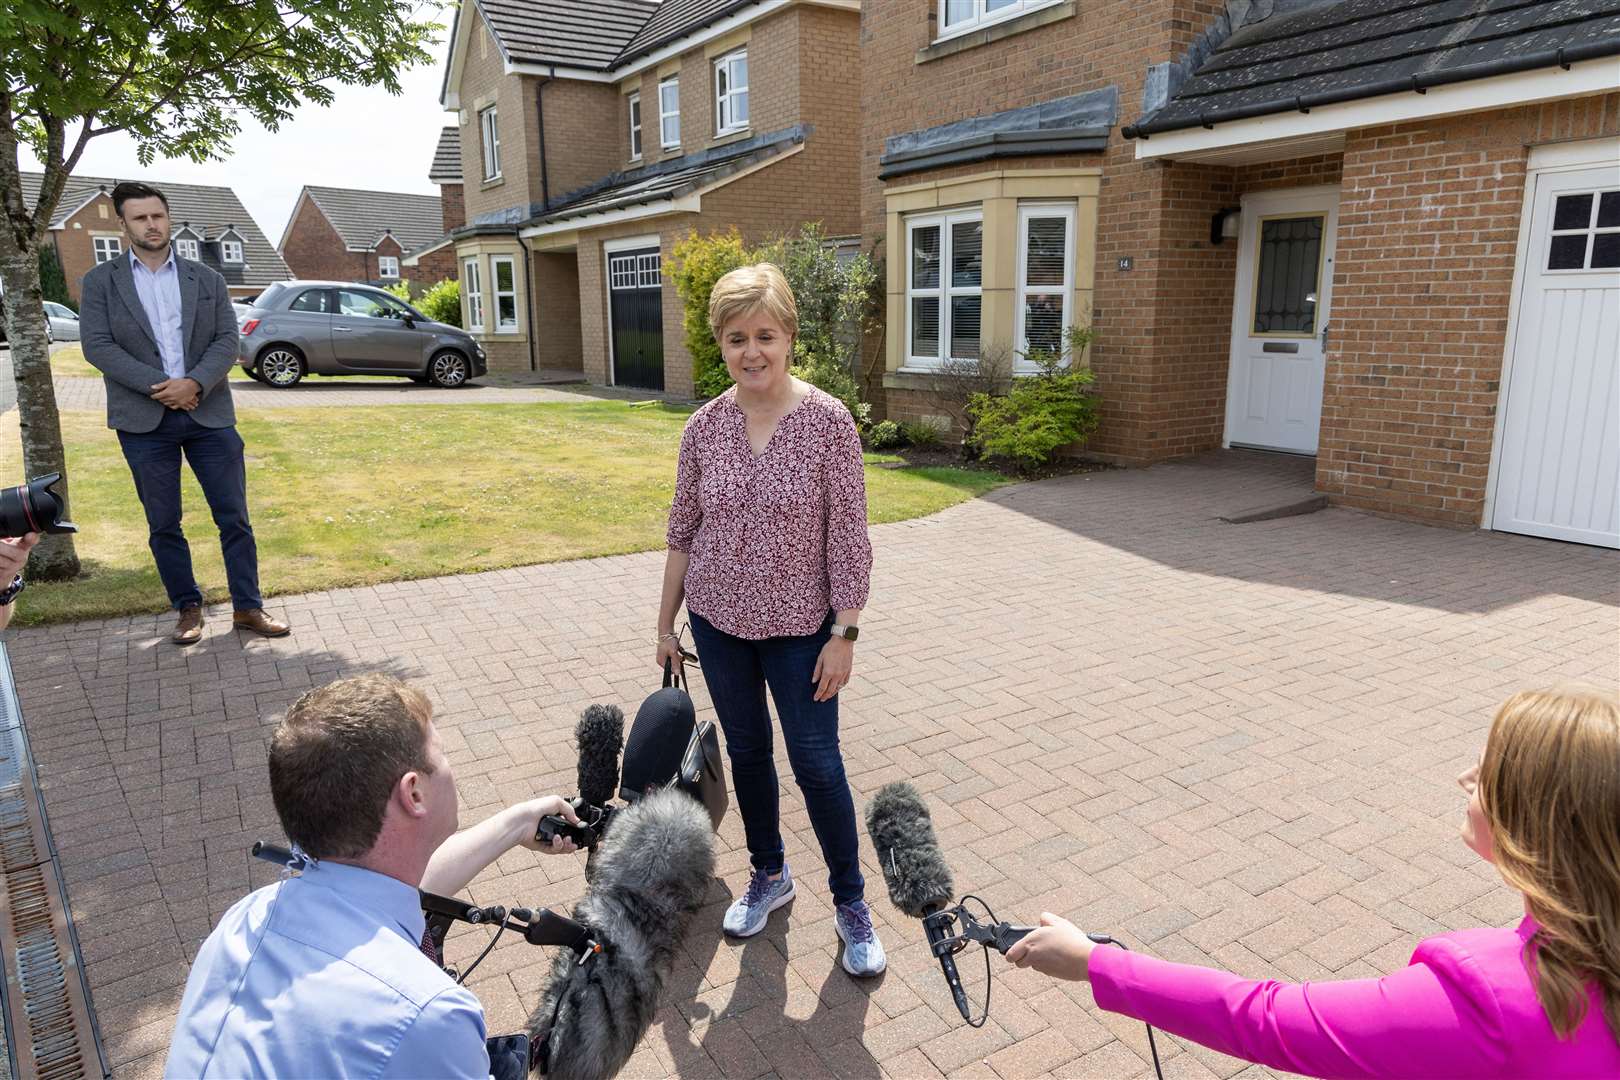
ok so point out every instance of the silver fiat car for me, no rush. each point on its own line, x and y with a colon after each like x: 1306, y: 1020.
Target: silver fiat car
x: 298, y: 328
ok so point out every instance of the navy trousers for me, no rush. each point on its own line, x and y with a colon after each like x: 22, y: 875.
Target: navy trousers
x: 737, y: 672
x: 215, y: 456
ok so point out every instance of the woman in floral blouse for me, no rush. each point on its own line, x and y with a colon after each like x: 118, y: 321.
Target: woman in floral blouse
x: 768, y: 548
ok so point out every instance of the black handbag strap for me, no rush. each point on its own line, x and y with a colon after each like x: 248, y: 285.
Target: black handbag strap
x: 672, y: 677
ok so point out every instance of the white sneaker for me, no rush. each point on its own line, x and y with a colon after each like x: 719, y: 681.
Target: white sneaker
x: 747, y: 915
x: 862, y: 955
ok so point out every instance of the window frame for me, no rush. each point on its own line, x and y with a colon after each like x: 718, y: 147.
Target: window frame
x: 473, y: 289
x: 98, y: 245
x: 944, y: 292
x: 497, y: 294
x: 633, y: 108
x: 1591, y: 231
x: 1021, y: 288
x: 328, y: 301
x: 730, y: 94
x: 673, y: 82
x: 385, y: 263
x: 489, y: 139
x: 983, y: 17
x: 188, y: 248
x: 225, y: 248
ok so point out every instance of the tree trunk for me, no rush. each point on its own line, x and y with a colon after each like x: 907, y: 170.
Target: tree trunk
x: 55, y: 558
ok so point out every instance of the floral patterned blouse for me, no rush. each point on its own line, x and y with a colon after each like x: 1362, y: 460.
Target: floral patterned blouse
x: 779, y: 540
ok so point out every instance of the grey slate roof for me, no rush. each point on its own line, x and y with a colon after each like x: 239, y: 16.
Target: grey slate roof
x: 1067, y: 125
x: 446, y: 167
x: 361, y: 217
x: 675, y: 19
x: 205, y: 209
x: 673, y: 178
x: 575, y: 33
x: 1331, y: 52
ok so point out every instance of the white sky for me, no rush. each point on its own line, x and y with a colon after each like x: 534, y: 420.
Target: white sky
x: 368, y: 139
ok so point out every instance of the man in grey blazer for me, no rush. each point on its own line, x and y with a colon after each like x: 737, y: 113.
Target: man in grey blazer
x: 163, y: 334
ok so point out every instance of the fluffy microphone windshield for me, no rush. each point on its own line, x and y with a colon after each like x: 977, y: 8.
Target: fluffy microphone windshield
x: 600, y: 737
x: 654, y: 871
x: 914, y: 868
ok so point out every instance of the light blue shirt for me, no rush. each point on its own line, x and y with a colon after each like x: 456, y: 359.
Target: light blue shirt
x: 160, y: 297
x: 322, y: 975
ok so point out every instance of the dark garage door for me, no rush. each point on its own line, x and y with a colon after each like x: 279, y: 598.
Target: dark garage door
x: 635, y: 285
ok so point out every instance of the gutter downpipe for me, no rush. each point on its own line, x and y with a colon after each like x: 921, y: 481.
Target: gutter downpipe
x: 545, y: 204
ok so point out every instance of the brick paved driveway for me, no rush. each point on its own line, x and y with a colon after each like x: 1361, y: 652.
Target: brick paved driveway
x: 1229, y: 744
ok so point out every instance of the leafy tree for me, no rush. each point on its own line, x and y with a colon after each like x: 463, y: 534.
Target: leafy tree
x: 177, y: 77
x: 697, y: 262
x: 52, y: 282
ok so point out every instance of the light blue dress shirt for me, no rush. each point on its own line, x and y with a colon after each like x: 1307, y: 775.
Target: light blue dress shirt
x: 160, y: 296
x: 322, y: 975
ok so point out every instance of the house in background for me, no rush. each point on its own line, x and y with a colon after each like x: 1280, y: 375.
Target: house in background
x: 436, y: 259
x: 343, y: 234
x: 594, y: 136
x: 1381, y: 233
x: 209, y: 225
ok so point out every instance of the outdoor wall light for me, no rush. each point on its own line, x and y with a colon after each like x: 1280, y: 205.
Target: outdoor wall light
x: 1223, y: 224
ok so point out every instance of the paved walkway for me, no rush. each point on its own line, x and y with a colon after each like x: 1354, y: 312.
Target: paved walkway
x: 1227, y: 744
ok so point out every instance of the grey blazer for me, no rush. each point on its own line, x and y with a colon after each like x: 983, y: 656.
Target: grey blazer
x: 117, y: 338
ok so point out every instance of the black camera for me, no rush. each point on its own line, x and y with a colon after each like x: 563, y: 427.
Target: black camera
x: 594, y: 821
x: 34, y: 508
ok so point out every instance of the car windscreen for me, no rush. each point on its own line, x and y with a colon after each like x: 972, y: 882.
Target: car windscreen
x: 266, y: 298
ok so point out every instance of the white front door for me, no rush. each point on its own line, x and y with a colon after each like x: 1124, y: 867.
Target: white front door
x: 1557, y: 460
x: 1280, y: 319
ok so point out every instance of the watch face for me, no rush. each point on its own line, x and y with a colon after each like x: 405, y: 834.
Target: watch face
x: 848, y: 633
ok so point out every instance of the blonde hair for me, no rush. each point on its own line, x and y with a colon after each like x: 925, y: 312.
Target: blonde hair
x: 1549, y: 785
x: 751, y: 289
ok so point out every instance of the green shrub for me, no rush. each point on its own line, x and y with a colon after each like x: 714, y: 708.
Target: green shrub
x: 52, y: 282
x: 401, y: 289
x: 442, y: 303
x: 1041, y: 412
x: 922, y: 433
x: 827, y: 372
x: 885, y: 435
x: 696, y: 263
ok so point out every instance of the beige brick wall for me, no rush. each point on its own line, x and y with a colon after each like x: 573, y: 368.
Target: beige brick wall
x: 586, y: 137
x: 483, y: 84
x: 1428, y: 231
x: 556, y: 310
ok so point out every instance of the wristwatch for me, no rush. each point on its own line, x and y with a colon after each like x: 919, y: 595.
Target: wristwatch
x: 848, y: 633
x: 9, y: 593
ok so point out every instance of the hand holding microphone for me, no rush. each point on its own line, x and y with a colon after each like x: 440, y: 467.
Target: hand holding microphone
x: 1057, y: 948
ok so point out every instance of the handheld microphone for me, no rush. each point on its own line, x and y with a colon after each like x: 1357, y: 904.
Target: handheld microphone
x: 600, y: 738
x: 652, y: 873
x: 914, y: 869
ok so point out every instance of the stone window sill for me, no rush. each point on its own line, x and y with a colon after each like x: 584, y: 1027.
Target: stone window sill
x: 492, y: 182
x: 731, y: 137
x: 997, y: 31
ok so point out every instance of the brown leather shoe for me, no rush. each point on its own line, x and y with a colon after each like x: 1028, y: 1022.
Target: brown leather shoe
x: 260, y: 623
x: 188, y: 631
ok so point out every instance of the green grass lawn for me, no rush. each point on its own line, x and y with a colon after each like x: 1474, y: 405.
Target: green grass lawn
x: 364, y: 495
x: 68, y: 362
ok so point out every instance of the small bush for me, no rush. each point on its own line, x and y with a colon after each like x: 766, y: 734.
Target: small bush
x: 827, y: 372
x: 922, y: 433
x: 1041, y: 412
x: 400, y: 288
x: 885, y: 435
x: 696, y: 263
x: 442, y: 303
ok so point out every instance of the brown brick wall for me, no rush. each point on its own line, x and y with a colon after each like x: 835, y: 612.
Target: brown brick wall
x: 586, y: 133
x: 313, y: 249
x: 452, y: 206
x: 432, y: 269
x: 75, y: 246
x: 1428, y: 230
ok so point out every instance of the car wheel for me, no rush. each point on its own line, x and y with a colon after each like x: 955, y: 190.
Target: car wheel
x: 448, y: 370
x: 256, y: 375
x: 281, y: 366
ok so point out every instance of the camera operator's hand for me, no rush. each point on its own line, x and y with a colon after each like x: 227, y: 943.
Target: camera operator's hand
x: 535, y: 809
x: 13, y: 555
x: 1057, y: 947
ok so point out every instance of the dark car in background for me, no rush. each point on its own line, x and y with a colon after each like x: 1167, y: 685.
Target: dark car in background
x: 298, y: 328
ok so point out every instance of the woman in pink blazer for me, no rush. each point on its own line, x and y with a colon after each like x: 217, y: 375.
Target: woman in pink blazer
x: 1539, y: 1000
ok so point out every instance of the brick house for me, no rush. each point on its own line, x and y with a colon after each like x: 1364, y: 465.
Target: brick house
x: 1338, y: 228
x: 210, y: 225
x: 341, y: 234
x: 602, y: 133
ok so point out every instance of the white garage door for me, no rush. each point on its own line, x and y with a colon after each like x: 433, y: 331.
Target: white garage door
x: 1557, y: 468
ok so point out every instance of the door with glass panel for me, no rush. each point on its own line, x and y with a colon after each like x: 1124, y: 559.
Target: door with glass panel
x: 1280, y: 320
x: 636, y: 302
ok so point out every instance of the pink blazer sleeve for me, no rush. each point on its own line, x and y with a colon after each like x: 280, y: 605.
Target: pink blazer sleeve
x: 1436, y: 1018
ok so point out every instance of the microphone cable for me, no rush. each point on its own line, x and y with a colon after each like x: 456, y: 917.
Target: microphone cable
x: 1153, y: 1047
x: 461, y: 977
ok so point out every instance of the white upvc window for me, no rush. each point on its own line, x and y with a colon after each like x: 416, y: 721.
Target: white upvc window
x: 388, y: 266
x: 108, y: 248
x: 1045, y: 279
x: 731, y: 92
x: 472, y: 281
x: 186, y: 249
x: 503, y: 278
x: 230, y: 251
x: 635, y: 126
x: 490, y: 129
x: 960, y: 16
x: 669, y: 113
x: 944, y: 288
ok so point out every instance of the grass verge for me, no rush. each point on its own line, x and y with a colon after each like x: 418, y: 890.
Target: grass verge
x: 357, y: 496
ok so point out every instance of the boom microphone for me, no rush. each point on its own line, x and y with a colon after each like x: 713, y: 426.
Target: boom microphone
x: 914, y: 869
x: 652, y: 873
x: 600, y: 737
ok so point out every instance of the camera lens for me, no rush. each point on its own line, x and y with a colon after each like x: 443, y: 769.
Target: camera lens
x: 34, y: 507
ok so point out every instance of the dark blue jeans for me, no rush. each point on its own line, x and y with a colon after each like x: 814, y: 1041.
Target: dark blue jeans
x: 737, y: 672
x: 216, y: 459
